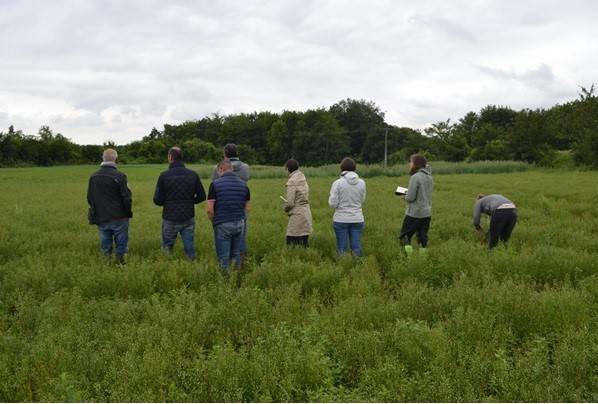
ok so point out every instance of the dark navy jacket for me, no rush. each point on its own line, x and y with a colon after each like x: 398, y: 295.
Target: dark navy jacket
x: 178, y: 190
x: 230, y: 194
x: 108, y: 196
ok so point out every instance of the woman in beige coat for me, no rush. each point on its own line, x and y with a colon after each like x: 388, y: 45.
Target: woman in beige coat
x: 297, y: 206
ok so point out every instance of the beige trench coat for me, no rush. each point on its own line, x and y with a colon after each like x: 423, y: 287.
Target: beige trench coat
x: 297, y: 205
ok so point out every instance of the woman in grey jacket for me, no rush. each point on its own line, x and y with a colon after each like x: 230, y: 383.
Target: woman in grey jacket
x: 346, y: 197
x: 419, y: 203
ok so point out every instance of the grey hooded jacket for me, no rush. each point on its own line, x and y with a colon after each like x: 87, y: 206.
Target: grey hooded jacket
x: 419, y: 193
x: 346, y: 197
x: 239, y: 168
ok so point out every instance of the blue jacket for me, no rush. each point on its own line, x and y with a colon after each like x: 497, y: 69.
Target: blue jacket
x: 230, y: 194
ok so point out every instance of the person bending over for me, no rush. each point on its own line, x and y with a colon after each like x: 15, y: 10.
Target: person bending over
x: 503, y: 217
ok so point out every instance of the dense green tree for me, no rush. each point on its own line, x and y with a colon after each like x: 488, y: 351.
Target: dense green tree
x: 497, y: 116
x: 198, y: 151
x: 278, y: 142
x: 320, y: 139
x: 349, y: 127
x: 529, y: 138
x: 585, y: 123
x: 360, y: 119
x: 467, y: 126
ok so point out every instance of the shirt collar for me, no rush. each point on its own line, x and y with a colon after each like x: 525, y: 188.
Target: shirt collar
x: 176, y: 163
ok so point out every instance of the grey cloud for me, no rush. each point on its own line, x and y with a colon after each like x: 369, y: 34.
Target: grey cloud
x: 118, y: 68
x: 448, y: 29
x: 541, y: 74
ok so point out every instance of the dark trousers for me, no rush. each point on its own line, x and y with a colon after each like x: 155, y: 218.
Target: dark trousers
x: 502, y: 224
x: 298, y: 241
x: 412, y: 225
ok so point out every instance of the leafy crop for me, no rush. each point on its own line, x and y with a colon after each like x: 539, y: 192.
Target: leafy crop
x: 460, y: 324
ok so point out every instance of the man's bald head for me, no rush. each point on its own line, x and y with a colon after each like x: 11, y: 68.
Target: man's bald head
x: 109, y: 156
x: 224, y: 166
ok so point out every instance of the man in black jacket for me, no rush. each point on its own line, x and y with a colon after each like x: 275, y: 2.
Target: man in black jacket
x: 110, y: 202
x: 178, y: 190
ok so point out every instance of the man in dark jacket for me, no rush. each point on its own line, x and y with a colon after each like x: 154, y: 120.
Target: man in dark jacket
x: 110, y: 202
x: 241, y: 170
x: 228, y: 204
x: 178, y: 190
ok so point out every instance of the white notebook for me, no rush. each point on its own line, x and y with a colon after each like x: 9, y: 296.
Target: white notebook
x: 401, y: 191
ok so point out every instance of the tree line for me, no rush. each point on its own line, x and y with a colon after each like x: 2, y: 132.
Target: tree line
x: 348, y: 128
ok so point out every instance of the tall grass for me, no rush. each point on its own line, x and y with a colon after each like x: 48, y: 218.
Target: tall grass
x: 460, y: 324
x: 368, y: 171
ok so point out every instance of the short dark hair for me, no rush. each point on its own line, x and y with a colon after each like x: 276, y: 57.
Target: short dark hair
x: 348, y: 164
x: 292, y: 165
x: 230, y: 150
x: 480, y: 196
x: 175, y: 153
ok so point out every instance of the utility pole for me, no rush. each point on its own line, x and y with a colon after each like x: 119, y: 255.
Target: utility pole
x: 386, y: 148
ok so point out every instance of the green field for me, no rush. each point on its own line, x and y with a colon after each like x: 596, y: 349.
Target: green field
x: 460, y: 324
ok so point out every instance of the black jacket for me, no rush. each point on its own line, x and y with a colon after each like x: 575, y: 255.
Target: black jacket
x: 108, y: 196
x: 178, y: 190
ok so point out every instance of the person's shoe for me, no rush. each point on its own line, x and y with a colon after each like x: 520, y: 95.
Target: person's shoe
x: 120, y: 260
x: 408, y: 250
x: 423, y: 251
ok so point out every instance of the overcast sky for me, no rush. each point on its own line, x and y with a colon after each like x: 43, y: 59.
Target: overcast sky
x: 112, y: 70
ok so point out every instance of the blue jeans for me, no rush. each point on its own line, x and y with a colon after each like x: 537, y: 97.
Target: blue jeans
x: 348, y: 234
x: 117, y: 232
x: 243, y: 245
x: 227, y: 237
x: 170, y: 229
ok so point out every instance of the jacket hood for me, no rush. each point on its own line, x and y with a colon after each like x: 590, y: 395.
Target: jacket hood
x: 351, y: 177
x: 426, y: 170
x: 296, y: 178
x: 237, y: 164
